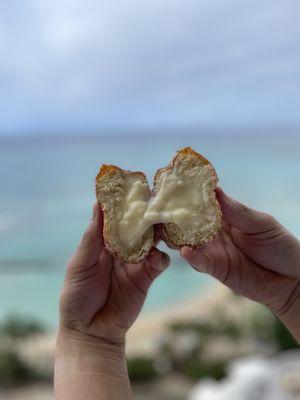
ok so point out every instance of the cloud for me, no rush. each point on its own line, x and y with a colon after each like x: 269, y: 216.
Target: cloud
x: 87, y: 64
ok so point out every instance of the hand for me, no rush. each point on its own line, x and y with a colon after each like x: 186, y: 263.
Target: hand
x: 102, y: 295
x: 101, y: 298
x: 255, y: 256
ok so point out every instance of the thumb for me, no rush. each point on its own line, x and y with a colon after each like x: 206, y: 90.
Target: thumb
x: 145, y: 272
x: 91, y: 244
x: 243, y: 217
x: 157, y: 262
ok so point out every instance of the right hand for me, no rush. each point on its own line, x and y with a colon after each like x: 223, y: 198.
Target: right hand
x: 255, y: 256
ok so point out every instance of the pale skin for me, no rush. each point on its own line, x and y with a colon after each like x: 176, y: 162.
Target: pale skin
x: 102, y: 296
x: 255, y: 256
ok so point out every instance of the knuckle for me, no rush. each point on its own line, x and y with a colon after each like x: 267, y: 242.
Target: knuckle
x: 269, y: 218
x: 246, y: 211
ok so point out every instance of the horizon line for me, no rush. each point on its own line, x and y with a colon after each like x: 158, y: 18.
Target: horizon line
x: 263, y: 129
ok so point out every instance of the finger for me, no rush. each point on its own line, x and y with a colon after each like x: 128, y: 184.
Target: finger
x: 248, y: 278
x: 157, y: 261
x: 91, y: 244
x: 243, y: 217
x: 211, y: 258
x: 200, y: 260
x: 144, y: 273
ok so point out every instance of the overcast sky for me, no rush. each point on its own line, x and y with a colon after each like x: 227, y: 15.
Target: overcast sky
x: 81, y: 65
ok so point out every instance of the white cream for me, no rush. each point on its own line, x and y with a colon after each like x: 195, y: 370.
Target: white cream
x: 180, y: 199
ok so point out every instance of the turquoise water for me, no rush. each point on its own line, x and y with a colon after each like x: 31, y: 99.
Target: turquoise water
x: 47, y: 189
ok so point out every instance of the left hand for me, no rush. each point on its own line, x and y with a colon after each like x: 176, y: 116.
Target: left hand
x: 102, y: 295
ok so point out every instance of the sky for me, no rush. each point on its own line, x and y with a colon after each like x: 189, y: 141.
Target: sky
x: 80, y: 65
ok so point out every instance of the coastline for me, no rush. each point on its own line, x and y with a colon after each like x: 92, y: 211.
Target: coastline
x: 150, y: 328
x: 145, y: 338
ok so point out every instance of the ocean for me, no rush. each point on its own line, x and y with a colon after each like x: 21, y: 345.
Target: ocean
x: 47, y: 192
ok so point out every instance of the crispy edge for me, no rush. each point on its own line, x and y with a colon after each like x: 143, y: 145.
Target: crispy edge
x: 107, y: 169
x: 160, y: 228
x: 186, y: 150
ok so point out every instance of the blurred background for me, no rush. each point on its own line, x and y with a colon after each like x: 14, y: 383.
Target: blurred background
x: 129, y: 83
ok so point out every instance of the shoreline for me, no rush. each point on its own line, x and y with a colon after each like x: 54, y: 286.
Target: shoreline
x: 150, y: 328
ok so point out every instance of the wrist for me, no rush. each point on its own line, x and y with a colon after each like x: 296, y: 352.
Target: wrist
x: 73, y: 341
x: 77, y: 352
x: 290, y: 317
x: 87, y: 367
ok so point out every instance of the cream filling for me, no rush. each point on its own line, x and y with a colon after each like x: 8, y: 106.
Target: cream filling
x: 183, y: 198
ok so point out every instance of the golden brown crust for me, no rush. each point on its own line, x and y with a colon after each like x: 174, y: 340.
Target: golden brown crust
x: 189, y: 150
x: 107, y: 168
x: 110, y: 170
x: 185, y: 150
x: 160, y: 231
x: 161, y: 228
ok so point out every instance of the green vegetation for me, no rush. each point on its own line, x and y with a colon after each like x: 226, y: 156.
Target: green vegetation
x: 183, y: 350
x: 141, y: 369
x: 199, y: 327
x: 265, y: 327
x: 282, y: 337
x: 13, y: 371
x: 196, y: 369
x: 18, y: 327
x: 207, y: 330
x: 191, y: 362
